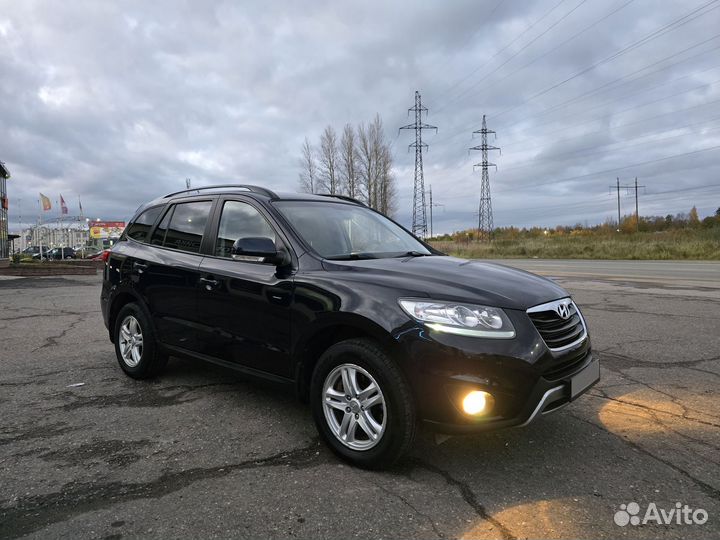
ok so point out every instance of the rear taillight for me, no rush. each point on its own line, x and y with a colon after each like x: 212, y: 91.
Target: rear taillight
x: 105, y: 255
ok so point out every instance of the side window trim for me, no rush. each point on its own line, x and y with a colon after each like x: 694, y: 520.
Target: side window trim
x: 207, y: 246
x: 167, y: 213
x: 152, y: 225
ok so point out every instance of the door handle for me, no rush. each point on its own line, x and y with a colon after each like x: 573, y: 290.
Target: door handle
x: 209, y: 283
x: 140, y: 267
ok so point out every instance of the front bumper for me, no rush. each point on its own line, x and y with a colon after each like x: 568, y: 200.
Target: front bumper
x: 545, y: 398
x: 526, y: 379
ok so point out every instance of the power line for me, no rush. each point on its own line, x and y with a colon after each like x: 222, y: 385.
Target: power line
x: 602, y: 172
x: 474, y: 33
x: 564, y: 104
x: 612, y: 115
x: 674, y: 25
x: 543, y: 55
x: 419, y: 222
x: 614, y: 169
x: 485, y: 213
x: 510, y: 43
x: 432, y: 205
x: 582, y: 151
x: 627, y: 187
x: 594, y: 203
x: 515, y: 54
x: 600, y: 88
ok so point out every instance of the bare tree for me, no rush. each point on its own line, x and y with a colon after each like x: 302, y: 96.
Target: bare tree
x: 329, y: 161
x: 365, y: 163
x: 361, y: 167
x: 308, y: 168
x: 375, y: 166
x: 349, y: 162
x: 387, y: 191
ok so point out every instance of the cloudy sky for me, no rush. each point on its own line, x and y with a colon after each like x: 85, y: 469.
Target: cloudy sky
x: 118, y: 102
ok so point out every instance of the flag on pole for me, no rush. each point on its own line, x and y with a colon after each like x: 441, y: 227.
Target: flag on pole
x: 45, y: 203
x: 63, y: 206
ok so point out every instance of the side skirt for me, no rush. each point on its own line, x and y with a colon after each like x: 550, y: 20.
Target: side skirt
x: 179, y: 351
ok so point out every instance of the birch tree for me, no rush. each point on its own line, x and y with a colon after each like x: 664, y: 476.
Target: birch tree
x: 349, y: 162
x: 328, y: 163
x: 308, y: 168
x: 360, y: 166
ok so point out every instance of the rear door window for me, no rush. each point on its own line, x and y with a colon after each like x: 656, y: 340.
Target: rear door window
x: 187, y: 226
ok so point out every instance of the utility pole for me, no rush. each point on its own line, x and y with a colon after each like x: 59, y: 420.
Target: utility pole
x: 634, y: 186
x: 618, y: 197
x: 637, y: 209
x: 431, y: 205
x: 485, y: 214
x: 419, y: 220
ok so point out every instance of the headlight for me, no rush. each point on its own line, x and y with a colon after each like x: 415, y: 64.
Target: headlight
x: 461, y: 319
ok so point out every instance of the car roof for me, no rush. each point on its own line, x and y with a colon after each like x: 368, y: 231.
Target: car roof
x: 256, y: 192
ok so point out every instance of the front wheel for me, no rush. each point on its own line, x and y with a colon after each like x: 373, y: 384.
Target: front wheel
x: 362, y: 404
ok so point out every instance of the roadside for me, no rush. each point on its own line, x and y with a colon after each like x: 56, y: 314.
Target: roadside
x: 689, y: 244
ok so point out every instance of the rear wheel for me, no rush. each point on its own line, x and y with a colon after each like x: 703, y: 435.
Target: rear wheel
x: 362, y: 404
x: 135, y: 345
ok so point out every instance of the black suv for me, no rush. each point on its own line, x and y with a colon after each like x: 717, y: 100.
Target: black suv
x: 375, y: 328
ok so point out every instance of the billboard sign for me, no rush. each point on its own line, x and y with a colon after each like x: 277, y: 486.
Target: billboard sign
x: 106, y: 229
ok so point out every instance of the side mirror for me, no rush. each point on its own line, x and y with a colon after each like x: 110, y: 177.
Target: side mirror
x: 256, y: 249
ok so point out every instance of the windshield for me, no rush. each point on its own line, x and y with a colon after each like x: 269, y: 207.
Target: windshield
x: 347, y: 231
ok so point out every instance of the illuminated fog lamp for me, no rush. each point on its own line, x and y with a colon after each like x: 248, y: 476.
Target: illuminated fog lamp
x: 477, y: 402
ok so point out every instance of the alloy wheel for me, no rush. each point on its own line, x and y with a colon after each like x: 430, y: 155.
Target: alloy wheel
x: 131, y: 341
x: 354, y: 407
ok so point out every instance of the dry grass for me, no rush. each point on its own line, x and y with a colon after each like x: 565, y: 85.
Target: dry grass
x: 683, y: 244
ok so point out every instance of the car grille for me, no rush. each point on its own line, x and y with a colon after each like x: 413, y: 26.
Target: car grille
x: 556, y: 331
x: 566, y: 366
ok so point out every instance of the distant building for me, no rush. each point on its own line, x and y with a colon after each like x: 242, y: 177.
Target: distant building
x: 50, y: 236
x: 4, y: 242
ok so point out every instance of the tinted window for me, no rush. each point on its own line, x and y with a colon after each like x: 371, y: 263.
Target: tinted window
x: 187, y: 226
x: 139, y: 229
x: 240, y: 220
x: 158, y: 236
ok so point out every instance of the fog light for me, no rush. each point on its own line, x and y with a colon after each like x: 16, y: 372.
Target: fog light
x: 477, y: 402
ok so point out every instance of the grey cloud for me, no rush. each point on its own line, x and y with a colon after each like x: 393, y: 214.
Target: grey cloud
x: 118, y: 103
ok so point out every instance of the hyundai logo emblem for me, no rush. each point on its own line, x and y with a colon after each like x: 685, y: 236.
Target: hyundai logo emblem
x: 563, y: 310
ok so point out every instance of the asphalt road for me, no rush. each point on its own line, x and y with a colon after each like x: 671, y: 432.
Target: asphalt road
x: 201, y: 453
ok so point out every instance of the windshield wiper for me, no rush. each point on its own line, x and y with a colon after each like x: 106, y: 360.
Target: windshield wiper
x: 351, y: 256
x: 413, y: 254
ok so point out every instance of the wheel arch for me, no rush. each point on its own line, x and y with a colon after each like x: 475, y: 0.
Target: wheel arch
x: 121, y: 299
x: 320, y: 337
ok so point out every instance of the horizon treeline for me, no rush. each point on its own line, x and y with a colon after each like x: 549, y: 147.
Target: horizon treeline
x: 628, y: 225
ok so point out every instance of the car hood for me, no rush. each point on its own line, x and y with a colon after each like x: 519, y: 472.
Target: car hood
x: 451, y: 278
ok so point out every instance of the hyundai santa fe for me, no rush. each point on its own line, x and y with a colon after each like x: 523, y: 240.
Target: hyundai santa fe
x: 373, y: 327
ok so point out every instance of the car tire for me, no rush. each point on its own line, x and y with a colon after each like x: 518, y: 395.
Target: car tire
x: 392, y: 416
x: 147, y: 360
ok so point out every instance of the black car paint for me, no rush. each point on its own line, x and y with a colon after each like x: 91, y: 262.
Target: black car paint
x: 268, y: 320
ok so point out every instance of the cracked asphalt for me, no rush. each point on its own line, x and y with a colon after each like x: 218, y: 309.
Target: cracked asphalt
x: 201, y: 452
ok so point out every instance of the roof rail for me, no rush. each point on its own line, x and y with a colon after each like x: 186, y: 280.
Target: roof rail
x: 254, y: 189
x: 343, y: 197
